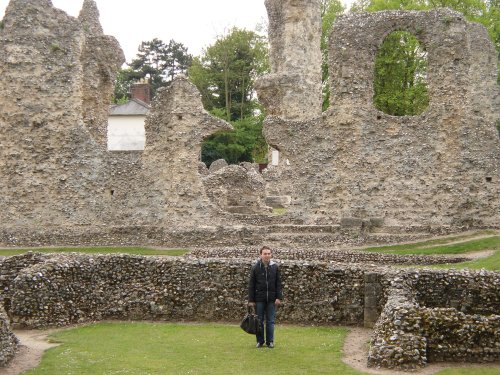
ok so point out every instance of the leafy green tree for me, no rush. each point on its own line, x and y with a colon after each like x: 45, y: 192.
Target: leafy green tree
x: 122, y: 85
x: 157, y: 62
x: 226, y: 72
x: 245, y: 143
x: 330, y: 9
x: 400, y: 76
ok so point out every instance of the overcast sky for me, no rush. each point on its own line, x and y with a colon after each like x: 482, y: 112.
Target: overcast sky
x: 194, y: 23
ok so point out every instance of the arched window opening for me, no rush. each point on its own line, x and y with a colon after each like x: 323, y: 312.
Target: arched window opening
x: 400, y: 85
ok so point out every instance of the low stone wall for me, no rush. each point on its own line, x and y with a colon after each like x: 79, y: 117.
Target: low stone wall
x: 250, y: 230
x: 8, y: 342
x: 325, y: 255
x: 470, y: 292
x: 409, y: 335
x: 76, y: 288
x: 454, y: 321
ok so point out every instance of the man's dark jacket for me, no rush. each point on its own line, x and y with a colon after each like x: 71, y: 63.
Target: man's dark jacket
x: 265, y: 283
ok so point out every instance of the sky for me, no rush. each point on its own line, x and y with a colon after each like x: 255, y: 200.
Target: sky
x: 194, y: 23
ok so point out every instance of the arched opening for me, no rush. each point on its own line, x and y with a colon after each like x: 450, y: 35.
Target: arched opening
x: 400, y: 83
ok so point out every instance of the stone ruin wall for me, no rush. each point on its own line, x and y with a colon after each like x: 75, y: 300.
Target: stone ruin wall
x: 52, y: 168
x: 8, y: 341
x: 44, y: 290
x: 57, y: 178
x: 454, y: 322
x: 436, y: 171
x: 356, y: 174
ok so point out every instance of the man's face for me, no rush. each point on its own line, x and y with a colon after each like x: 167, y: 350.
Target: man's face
x: 265, y: 255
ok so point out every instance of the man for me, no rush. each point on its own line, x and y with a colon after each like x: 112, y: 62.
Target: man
x: 265, y: 293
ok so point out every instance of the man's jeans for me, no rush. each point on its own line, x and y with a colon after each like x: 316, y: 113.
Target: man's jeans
x: 269, y: 310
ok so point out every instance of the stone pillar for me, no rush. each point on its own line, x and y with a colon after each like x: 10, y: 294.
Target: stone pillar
x: 373, y: 294
x: 293, y: 89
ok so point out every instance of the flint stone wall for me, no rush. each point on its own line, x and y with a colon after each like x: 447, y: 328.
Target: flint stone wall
x: 409, y: 334
x: 351, y: 166
x: 326, y: 255
x: 8, y: 341
x: 57, y: 290
x: 66, y: 289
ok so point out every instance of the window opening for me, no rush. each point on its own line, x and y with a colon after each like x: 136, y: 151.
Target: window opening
x: 400, y: 84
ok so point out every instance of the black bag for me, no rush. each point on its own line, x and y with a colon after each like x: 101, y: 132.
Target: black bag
x: 250, y: 323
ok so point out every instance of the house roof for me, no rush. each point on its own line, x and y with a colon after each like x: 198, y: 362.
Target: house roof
x: 132, y: 107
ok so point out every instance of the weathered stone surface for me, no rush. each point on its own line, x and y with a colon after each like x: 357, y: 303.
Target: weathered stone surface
x: 178, y: 125
x: 293, y: 89
x: 237, y: 189
x: 57, y: 77
x: 73, y: 288
x: 217, y: 165
x: 370, y: 176
x: 437, y: 170
x: 57, y: 290
x: 101, y: 58
x: 8, y: 341
x: 408, y: 334
x: 330, y: 255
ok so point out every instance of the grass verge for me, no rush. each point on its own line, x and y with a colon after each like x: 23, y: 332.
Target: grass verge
x: 491, y: 263
x: 445, y: 246
x: 98, y: 250
x: 440, y: 247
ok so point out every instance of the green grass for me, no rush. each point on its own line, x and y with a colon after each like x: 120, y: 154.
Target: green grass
x: 443, y: 246
x: 279, y: 211
x: 168, y: 348
x: 470, y: 371
x: 97, y: 250
x: 491, y: 263
x: 164, y: 348
x: 440, y: 246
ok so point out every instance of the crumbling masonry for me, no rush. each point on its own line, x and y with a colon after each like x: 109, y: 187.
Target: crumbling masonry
x: 359, y: 166
x: 355, y: 175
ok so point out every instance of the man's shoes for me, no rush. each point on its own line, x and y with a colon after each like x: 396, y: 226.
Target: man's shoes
x: 270, y: 345
x: 259, y: 345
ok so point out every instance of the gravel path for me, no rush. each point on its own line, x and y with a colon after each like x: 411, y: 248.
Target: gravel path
x: 33, y: 343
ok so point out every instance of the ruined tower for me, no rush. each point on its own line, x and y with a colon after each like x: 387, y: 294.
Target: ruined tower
x: 293, y: 89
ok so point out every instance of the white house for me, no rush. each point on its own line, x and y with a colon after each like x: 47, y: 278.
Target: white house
x: 126, y: 121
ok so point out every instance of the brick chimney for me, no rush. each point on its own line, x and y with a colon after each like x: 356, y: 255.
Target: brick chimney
x: 141, y: 91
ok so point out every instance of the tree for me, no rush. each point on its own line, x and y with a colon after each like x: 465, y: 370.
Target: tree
x: 330, y: 9
x: 122, y: 85
x: 245, y: 143
x: 156, y: 62
x: 400, y: 86
x: 225, y: 74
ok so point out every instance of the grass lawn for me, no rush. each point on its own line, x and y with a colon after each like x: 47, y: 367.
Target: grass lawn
x: 169, y: 348
x: 491, y: 263
x: 444, y: 246
x: 97, y: 250
x: 165, y: 348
